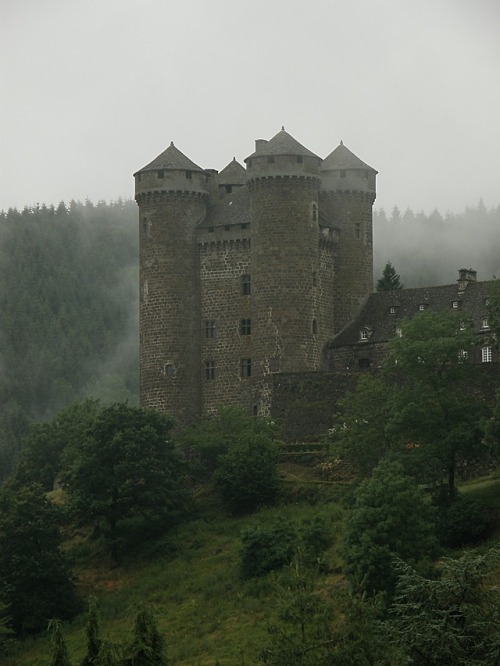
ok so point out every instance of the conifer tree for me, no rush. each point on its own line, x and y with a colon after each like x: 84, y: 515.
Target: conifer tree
x: 148, y: 647
x: 93, y: 631
x: 60, y: 656
x: 390, y: 280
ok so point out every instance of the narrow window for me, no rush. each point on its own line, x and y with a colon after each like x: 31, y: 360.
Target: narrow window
x: 315, y: 212
x: 315, y: 279
x: 169, y: 370
x: 210, y: 369
x: 255, y: 410
x: 246, y: 285
x: 189, y: 175
x: 357, y: 231
x: 245, y: 327
x: 246, y: 367
x: 160, y: 173
x: 363, y: 334
x: 210, y: 328
x: 486, y: 355
x: 484, y: 322
x: 315, y: 326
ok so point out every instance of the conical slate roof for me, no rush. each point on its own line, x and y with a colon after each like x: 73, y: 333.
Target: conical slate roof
x: 343, y: 158
x: 171, y: 158
x: 233, y: 174
x: 283, y: 144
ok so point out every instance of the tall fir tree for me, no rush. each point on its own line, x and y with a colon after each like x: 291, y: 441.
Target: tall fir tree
x: 390, y: 280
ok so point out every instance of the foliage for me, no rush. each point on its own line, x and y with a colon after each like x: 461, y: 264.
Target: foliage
x: 454, y: 619
x: 68, y: 295
x: 93, y: 632
x: 390, y: 280
x: 428, y: 405
x: 204, y: 443
x: 60, y: 656
x: 125, y: 467
x: 390, y: 518
x: 464, y: 521
x: 247, y: 476
x: 148, y: 647
x: 35, y: 582
x: 267, y: 548
x: 45, y: 443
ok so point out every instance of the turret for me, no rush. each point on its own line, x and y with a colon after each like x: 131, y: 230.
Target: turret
x: 171, y: 192
x: 347, y: 197
x: 283, y: 179
x: 231, y: 178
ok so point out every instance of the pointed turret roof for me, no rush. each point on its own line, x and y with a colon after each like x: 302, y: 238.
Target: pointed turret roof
x: 343, y: 158
x: 171, y: 158
x: 233, y: 174
x: 282, y: 143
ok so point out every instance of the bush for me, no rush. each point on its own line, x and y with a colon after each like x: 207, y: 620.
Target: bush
x: 266, y: 549
x: 247, y: 477
x: 466, y: 520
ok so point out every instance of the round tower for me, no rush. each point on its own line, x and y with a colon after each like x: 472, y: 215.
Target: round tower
x: 171, y: 193
x: 347, y: 197
x: 283, y: 179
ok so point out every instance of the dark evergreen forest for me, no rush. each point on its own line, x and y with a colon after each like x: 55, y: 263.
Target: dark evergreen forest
x: 69, y: 297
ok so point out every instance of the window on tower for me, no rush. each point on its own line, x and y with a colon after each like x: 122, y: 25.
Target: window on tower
x: 357, y: 231
x: 189, y: 175
x: 210, y: 369
x: 315, y: 326
x: 161, y: 173
x: 245, y: 326
x: 246, y: 367
x: 246, y: 285
x: 210, y: 330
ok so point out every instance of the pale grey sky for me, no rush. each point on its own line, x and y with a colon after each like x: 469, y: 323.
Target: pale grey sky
x: 91, y: 90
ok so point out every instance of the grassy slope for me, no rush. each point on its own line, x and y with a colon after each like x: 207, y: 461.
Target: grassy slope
x: 207, y: 613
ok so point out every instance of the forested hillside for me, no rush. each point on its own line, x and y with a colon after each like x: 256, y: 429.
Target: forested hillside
x: 429, y: 249
x: 68, y: 298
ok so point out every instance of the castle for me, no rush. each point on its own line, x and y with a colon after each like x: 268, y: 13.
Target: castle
x: 247, y: 274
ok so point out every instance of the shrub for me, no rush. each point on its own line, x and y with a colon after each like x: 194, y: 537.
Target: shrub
x: 266, y: 549
x: 466, y: 520
x: 247, y: 477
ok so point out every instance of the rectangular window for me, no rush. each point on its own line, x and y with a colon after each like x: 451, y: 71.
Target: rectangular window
x: 189, y: 175
x: 210, y: 328
x: 357, y: 231
x: 245, y: 326
x: 161, y: 173
x: 246, y: 288
x: 210, y: 369
x: 484, y: 323
x: 486, y: 355
x: 454, y: 305
x: 246, y: 367
x: 315, y: 326
x: 422, y: 306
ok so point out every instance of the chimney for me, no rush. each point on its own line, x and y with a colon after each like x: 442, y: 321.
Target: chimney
x: 259, y: 144
x: 465, y: 275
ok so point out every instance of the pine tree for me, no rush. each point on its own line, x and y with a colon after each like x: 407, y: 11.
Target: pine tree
x: 60, y: 656
x: 148, y: 647
x: 93, y: 631
x: 390, y: 280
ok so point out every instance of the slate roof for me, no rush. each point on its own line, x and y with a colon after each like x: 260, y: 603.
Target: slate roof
x: 376, y: 314
x: 171, y: 158
x: 233, y: 174
x: 234, y: 208
x: 343, y: 158
x: 282, y: 143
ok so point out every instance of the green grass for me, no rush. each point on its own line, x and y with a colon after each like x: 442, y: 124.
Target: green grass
x: 206, y: 612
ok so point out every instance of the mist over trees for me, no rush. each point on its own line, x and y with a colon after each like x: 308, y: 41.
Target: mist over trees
x: 68, y: 297
x: 428, y: 250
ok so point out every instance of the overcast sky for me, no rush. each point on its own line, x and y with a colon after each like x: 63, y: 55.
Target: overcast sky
x: 92, y: 90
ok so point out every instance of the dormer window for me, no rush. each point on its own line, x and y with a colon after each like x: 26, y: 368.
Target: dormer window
x: 393, y: 309
x: 422, y: 306
x: 364, y: 334
x: 484, y: 323
x: 454, y: 305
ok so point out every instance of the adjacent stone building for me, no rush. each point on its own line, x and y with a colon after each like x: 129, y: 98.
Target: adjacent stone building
x: 248, y: 273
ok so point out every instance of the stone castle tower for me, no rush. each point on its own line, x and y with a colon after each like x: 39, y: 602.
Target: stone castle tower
x: 248, y: 272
